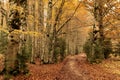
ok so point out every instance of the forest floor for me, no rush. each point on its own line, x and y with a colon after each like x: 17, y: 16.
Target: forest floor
x: 74, y: 68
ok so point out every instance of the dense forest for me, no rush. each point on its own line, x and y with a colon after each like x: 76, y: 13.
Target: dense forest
x: 59, y: 39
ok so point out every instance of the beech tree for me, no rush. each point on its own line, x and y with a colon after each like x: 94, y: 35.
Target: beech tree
x: 16, y: 21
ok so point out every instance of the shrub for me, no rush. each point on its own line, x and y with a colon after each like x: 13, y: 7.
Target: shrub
x: 22, y: 59
x: 2, y: 61
x: 117, y: 49
x: 76, y: 50
x: 3, y: 42
x: 107, y: 48
x: 60, y: 48
x: 95, y: 51
x: 87, y: 49
x: 20, y: 64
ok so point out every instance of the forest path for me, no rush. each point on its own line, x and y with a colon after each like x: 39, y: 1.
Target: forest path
x: 73, y: 63
x: 77, y: 68
x: 70, y: 70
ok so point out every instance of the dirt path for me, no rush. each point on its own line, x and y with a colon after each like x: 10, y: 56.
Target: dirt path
x: 77, y: 68
x: 73, y: 63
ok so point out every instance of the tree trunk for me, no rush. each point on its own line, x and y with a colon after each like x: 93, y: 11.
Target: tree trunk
x: 98, y: 15
x: 32, y: 28
x: 41, y: 39
x: 47, y: 55
x: 15, y: 23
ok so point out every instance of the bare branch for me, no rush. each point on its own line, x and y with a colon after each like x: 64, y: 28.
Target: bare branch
x: 68, y: 19
x: 3, y: 11
x: 54, y: 3
x: 109, y: 8
x: 58, y: 14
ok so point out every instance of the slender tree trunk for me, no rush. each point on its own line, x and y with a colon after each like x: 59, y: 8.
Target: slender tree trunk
x: 41, y: 29
x: 101, y: 28
x: 33, y: 29
x: 47, y: 58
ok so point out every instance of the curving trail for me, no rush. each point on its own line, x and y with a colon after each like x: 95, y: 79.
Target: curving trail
x: 70, y: 69
x: 77, y: 68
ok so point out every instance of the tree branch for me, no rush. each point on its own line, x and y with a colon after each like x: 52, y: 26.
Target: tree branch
x: 3, y: 11
x: 68, y: 19
x: 54, y: 3
x: 58, y: 14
